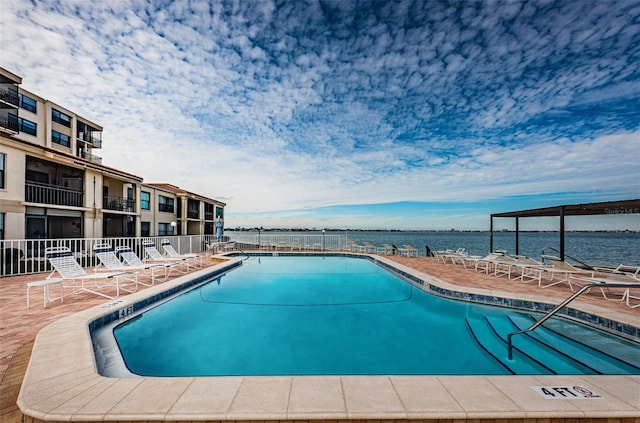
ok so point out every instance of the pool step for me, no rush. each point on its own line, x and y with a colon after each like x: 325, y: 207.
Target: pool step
x: 553, y: 357
x: 548, y: 351
x: 607, y: 354
x: 492, y: 344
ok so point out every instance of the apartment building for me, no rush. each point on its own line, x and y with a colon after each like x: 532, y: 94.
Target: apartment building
x: 193, y: 214
x: 53, y: 185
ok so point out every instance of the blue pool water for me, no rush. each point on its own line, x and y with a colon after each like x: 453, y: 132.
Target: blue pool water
x: 309, y: 316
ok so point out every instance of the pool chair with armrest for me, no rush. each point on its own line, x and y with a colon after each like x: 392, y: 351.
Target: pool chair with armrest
x: 408, y: 251
x: 110, y: 261
x: 152, y: 255
x: 616, y: 294
x: 558, y: 272
x: 486, y: 264
x: 565, y: 269
x: 195, y: 259
x: 526, y: 268
x: 471, y: 262
x: 132, y: 259
x: 456, y: 256
x: 65, y: 265
x: 622, y: 269
x: 386, y: 249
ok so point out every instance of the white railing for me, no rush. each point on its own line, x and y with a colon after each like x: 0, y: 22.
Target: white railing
x: 294, y: 241
x: 20, y: 257
x: 25, y: 256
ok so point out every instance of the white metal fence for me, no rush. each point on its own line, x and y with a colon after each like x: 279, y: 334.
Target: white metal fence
x: 25, y: 256
x: 291, y: 242
x: 19, y: 257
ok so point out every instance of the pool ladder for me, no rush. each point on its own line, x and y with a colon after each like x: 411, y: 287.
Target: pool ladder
x: 561, y: 306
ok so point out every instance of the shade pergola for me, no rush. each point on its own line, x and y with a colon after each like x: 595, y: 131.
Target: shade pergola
x: 588, y: 209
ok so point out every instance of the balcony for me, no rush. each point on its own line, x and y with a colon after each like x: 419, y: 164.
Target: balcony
x: 91, y: 157
x: 111, y: 202
x: 36, y: 192
x: 10, y: 123
x: 193, y: 214
x: 9, y: 96
x: 90, y: 138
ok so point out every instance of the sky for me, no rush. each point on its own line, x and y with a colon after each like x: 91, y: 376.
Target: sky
x: 351, y: 114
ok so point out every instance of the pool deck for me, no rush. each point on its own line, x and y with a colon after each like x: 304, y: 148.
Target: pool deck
x: 61, y: 382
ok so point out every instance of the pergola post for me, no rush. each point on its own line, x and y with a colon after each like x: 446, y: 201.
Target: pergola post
x: 561, y: 213
x: 517, y: 235
x: 491, y: 234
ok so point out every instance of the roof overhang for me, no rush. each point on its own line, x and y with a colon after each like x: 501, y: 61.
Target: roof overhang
x: 587, y: 209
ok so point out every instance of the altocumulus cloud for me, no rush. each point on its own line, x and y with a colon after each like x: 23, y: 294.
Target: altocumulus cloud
x: 293, y: 109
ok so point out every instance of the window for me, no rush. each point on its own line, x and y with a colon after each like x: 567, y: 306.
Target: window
x: 145, y: 201
x: 60, y: 118
x: 27, y: 103
x: 61, y: 139
x: 165, y: 204
x: 27, y: 126
x: 145, y: 228
x: 1, y: 225
x: 2, y: 159
x: 165, y: 229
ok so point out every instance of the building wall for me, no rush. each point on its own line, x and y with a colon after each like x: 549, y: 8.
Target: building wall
x: 12, y: 196
x: 91, y: 218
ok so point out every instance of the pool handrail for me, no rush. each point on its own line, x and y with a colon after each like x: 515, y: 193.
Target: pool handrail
x: 560, y: 306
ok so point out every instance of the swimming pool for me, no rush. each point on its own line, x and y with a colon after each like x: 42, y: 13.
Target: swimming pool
x: 338, y: 316
x: 63, y: 382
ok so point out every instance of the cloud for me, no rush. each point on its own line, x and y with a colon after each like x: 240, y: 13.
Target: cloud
x: 297, y: 105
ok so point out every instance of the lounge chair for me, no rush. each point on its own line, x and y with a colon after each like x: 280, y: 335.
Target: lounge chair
x: 386, y: 249
x: 196, y: 259
x: 616, y: 294
x: 66, y: 266
x: 526, y: 268
x: 295, y: 245
x: 408, y: 251
x: 564, y: 269
x: 221, y: 247
x: 151, y: 254
x: 456, y: 256
x: 110, y: 261
x: 131, y: 259
x: 485, y: 264
x: 622, y: 269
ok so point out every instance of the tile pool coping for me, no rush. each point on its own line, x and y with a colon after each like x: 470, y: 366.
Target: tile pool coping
x: 62, y: 382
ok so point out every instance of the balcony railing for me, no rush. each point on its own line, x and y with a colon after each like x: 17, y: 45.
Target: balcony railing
x: 10, y: 124
x: 10, y: 97
x: 111, y: 202
x: 36, y: 192
x: 88, y: 137
x: 91, y: 157
x: 193, y: 214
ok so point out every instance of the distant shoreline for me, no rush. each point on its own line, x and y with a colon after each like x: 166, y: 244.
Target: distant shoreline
x: 420, y: 230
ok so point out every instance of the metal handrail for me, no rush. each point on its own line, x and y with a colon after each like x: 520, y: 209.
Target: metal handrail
x: 561, y: 305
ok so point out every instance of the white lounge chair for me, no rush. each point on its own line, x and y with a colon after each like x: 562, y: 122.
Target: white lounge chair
x: 151, y: 254
x: 66, y: 266
x: 456, y: 256
x: 110, y: 261
x: 386, y: 249
x: 196, y: 259
x: 408, y: 251
x: 616, y: 294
